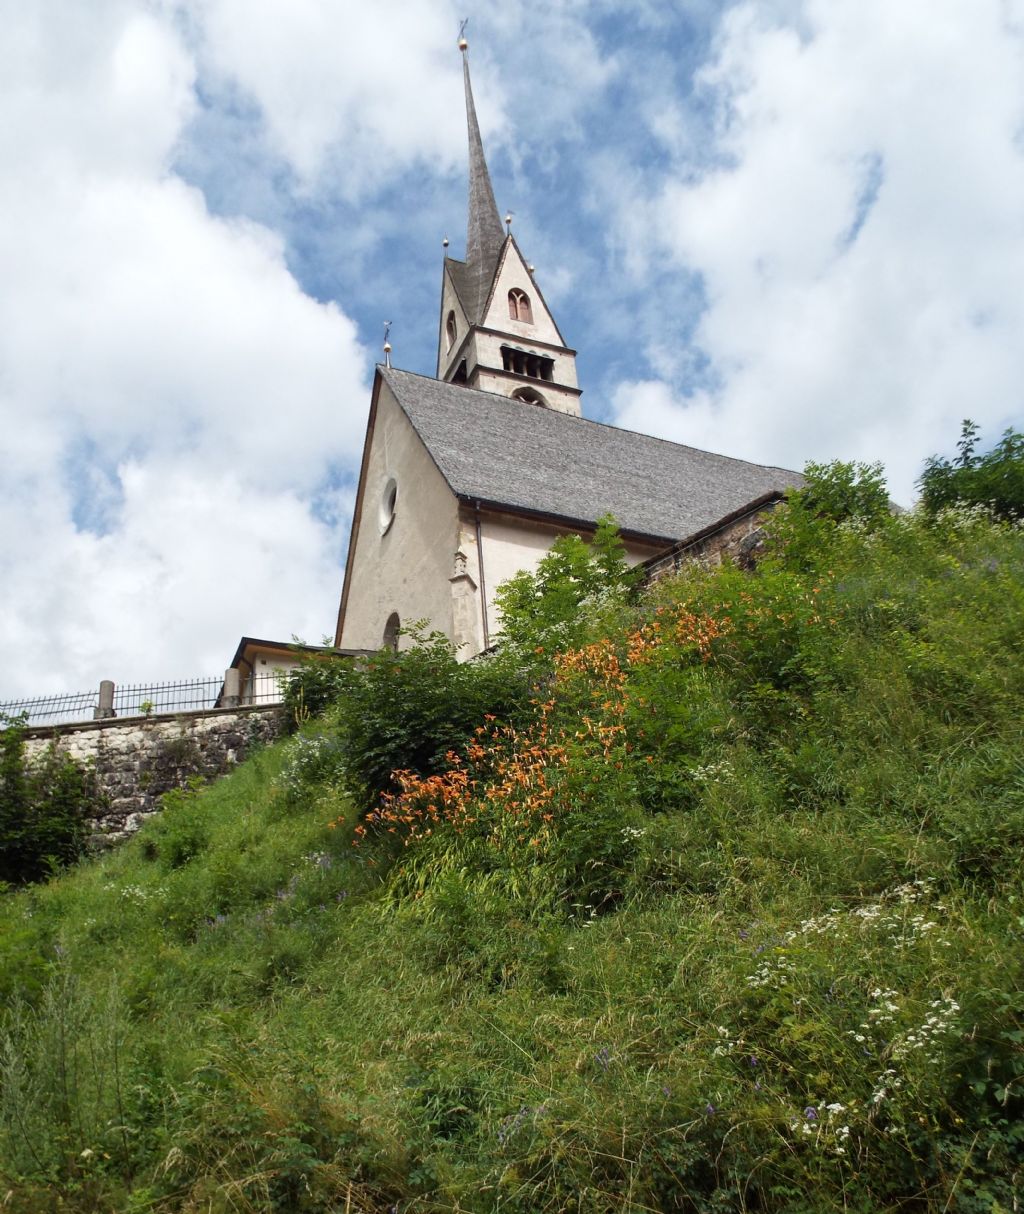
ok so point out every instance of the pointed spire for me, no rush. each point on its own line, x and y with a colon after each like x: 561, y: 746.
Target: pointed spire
x: 484, y: 234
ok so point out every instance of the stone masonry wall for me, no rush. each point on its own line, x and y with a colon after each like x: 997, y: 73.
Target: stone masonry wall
x: 138, y: 759
x: 741, y: 541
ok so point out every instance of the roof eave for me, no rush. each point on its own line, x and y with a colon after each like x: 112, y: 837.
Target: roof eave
x: 557, y: 520
x: 771, y: 498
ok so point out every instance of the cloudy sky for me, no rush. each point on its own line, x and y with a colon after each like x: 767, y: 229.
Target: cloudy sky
x: 782, y: 229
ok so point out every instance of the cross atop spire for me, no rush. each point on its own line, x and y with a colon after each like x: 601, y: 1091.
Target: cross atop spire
x: 484, y: 233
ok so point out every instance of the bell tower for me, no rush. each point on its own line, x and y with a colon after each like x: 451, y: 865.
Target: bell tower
x: 496, y: 332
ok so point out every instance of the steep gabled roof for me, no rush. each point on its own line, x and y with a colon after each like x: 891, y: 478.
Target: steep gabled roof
x: 472, y: 283
x: 525, y: 458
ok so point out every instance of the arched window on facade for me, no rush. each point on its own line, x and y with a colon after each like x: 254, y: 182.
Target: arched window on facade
x: 530, y: 396
x: 450, y: 330
x: 391, y: 629
x: 519, y: 306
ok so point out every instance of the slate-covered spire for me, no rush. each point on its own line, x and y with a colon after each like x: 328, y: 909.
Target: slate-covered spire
x: 484, y: 233
x: 496, y: 332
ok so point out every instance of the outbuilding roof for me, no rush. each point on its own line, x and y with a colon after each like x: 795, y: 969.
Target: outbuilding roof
x: 522, y: 457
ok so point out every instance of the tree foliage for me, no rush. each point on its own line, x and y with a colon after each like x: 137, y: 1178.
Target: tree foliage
x: 405, y: 710
x: 832, y: 494
x: 994, y: 479
x: 43, y: 808
x: 841, y: 490
x: 547, y: 610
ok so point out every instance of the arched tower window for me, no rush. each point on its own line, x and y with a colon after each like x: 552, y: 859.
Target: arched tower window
x: 519, y: 306
x: 391, y: 630
x: 450, y: 330
x: 530, y: 397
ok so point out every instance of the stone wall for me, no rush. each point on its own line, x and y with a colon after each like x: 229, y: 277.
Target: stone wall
x: 137, y: 759
x: 740, y: 539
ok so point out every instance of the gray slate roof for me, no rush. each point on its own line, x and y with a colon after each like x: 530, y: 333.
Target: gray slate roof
x: 508, y: 453
x: 472, y: 281
x: 484, y: 232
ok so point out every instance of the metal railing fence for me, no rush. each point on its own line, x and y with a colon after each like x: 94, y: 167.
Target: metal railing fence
x: 149, y: 699
x: 145, y: 699
x: 52, y: 710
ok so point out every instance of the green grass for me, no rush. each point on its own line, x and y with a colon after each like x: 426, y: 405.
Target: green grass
x: 792, y: 882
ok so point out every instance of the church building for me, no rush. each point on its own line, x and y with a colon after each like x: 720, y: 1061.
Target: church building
x: 469, y: 477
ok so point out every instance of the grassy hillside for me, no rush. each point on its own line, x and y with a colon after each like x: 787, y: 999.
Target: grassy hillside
x: 730, y: 919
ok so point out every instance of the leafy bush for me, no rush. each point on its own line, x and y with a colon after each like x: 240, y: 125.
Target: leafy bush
x: 995, y: 479
x: 833, y: 494
x: 552, y: 608
x: 43, y: 808
x: 312, y: 687
x: 406, y: 710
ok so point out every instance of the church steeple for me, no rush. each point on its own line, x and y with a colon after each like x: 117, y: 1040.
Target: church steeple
x: 496, y: 332
x: 484, y: 233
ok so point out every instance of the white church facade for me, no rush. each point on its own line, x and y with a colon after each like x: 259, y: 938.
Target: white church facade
x: 469, y: 477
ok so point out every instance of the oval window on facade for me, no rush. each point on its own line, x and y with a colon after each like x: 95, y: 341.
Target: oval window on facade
x: 388, y: 502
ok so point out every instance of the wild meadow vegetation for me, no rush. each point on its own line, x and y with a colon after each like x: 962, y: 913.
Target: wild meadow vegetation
x: 704, y: 898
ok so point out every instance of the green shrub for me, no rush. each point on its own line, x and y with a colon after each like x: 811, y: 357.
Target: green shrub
x: 311, y: 688
x: 835, y: 493
x: 553, y: 608
x: 404, y: 711
x: 44, y: 806
x: 994, y: 480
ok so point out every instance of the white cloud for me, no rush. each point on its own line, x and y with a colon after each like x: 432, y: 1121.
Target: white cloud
x: 171, y: 401
x: 358, y: 91
x: 181, y: 421
x: 859, y: 233
x: 194, y: 561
